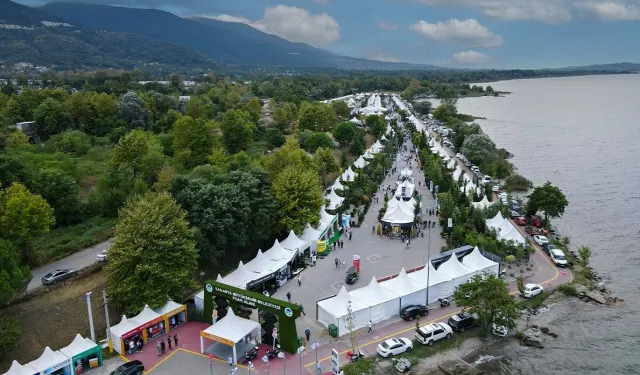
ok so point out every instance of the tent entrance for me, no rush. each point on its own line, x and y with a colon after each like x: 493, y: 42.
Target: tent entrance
x: 231, y: 336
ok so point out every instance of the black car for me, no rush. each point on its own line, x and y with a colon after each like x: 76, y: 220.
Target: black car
x: 411, y: 312
x: 57, y: 275
x: 352, y: 275
x: 460, y: 322
x: 547, y: 247
x: 129, y: 368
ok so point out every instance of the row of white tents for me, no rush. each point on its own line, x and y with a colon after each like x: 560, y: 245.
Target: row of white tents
x: 383, y: 300
x: 505, y: 230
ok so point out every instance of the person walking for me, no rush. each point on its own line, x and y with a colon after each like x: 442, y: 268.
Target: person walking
x: 159, y: 349
x: 369, y: 326
x: 289, y: 297
x: 132, y: 345
x: 299, y: 280
x: 350, y: 235
x: 307, y: 332
x: 302, y: 310
x: 230, y: 360
x: 373, y: 229
x: 313, y: 258
x: 162, y: 348
x: 169, y: 342
x: 175, y: 339
x: 336, y: 262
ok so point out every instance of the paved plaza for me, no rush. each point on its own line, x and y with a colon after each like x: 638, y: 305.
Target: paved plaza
x: 379, y: 257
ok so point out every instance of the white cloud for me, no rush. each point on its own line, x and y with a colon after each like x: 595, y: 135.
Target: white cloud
x: 470, y: 57
x: 609, y: 11
x: 293, y: 24
x: 467, y: 32
x: 376, y: 54
x: 383, y: 25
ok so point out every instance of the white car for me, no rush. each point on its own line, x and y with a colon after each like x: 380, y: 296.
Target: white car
x: 458, y: 155
x: 558, y: 258
x: 540, y: 239
x: 102, y: 257
x: 486, y: 180
x: 495, y: 188
x: 500, y: 331
x: 394, y: 346
x: 503, y: 195
x: 430, y: 333
x: 532, y: 290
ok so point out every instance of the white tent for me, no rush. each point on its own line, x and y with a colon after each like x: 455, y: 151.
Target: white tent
x: 470, y: 187
x: 440, y: 285
x: 279, y: 253
x: 18, y: 369
x: 240, y: 277
x: 337, y: 185
x: 406, y: 172
x: 383, y: 138
x: 334, y: 200
x: 360, y: 163
x: 78, y: 346
x: 119, y: 330
x: 457, y: 173
x: 384, y: 303
x: 168, y: 307
x: 145, y: 316
x: 356, y: 121
x: 232, y: 329
x: 476, y: 261
x: 294, y: 243
x: 377, y: 146
x: 368, y: 155
x: 484, y: 203
x: 451, y: 164
x: 511, y: 234
x: 348, y: 175
x: 411, y: 203
x: 398, y: 214
x: 312, y: 235
x: 411, y: 292
x: 326, y: 217
x: 504, y: 227
x: 51, y: 361
x: 496, y: 221
x: 261, y: 265
x: 334, y: 311
x: 457, y: 271
x: 408, y: 188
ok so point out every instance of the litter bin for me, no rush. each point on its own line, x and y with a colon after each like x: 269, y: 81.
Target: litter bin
x: 333, y: 330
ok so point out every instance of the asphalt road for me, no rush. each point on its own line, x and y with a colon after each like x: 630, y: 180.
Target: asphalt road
x: 77, y: 261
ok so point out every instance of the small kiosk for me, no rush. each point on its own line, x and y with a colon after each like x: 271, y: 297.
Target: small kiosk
x: 84, y: 354
x: 51, y: 363
x: 173, y: 314
x: 150, y: 323
x: 232, y: 331
x: 122, y: 333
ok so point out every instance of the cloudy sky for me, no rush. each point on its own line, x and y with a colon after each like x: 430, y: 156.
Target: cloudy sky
x: 460, y: 33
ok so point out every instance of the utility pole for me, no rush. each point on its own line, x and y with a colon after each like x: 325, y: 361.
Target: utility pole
x: 428, y: 264
x: 93, y: 334
x: 106, y: 314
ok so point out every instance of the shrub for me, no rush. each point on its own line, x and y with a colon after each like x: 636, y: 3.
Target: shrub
x: 317, y: 140
x: 518, y: 182
x: 274, y: 138
x: 72, y: 142
x: 10, y: 329
x: 568, y: 290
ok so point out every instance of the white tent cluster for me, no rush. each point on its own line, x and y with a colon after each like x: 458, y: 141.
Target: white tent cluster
x: 406, y: 172
x: 405, y: 189
x: 379, y: 301
x: 399, y: 212
x: 504, y: 229
x: 374, y: 106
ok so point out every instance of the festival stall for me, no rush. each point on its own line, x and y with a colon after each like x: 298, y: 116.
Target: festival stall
x: 406, y: 172
x: 477, y: 262
x: 511, y: 234
x: 18, y: 369
x: 451, y: 164
x: 495, y: 222
x: 240, y: 277
x: 360, y: 163
x: 313, y: 236
x: 457, y: 271
x: 337, y: 185
x: 122, y: 333
x: 84, y: 354
x: 231, y: 331
x: 293, y: 243
x: 405, y: 189
x: 400, y: 214
x: 51, y: 363
x: 368, y: 155
x: 439, y: 285
x: 334, y: 311
x: 349, y: 175
x: 334, y: 199
x: 484, y: 203
x: 457, y: 173
x: 383, y: 303
x: 150, y: 323
x: 411, y: 292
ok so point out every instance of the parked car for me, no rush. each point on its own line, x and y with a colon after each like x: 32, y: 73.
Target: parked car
x: 520, y: 220
x: 500, y: 331
x: 433, y: 332
x: 129, y: 368
x: 467, y: 163
x: 58, y: 275
x: 535, y: 221
x: 532, y: 231
x: 532, y: 290
x: 486, y: 180
x: 462, y: 321
x: 558, y: 258
x: 515, y: 206
x: 495, y: 188
x: 102, y: 257
x: 458, y: 155
x: 547, y: 247
x: 514, y: 214
x: 394, y: 346
x: 503, y: 195
x: 540, y: 239
x: 411, y: 312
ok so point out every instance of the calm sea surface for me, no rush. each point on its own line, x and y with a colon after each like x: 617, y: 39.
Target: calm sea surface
x: 583, y: 135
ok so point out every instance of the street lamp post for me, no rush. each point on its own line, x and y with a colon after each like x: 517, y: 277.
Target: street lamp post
x: 300, y: 349
x: 93, y: 334
x: 315, y: 349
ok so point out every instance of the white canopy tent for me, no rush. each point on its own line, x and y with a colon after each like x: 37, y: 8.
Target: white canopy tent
x: 18, y: 369
x: 495, y: 222
x: 80, y: 348
x: 360, y: 163
x: 484, y: 203
x: 348, y: 175
x: 337, y: 185
x: 117, y: 331
x: 406, y: 172
x: 411, y: 292
x: 50, y: 362
x: 377, y: 146
x: 476, y: 261
x: 240, y: 277
x: 383, y: 138
x: 230, y: 329
x: 405, y: 187
x: 261, y: 265
x: 356, y: 121
x: 511, y: 234
x: 399, y: 214
x: 394, y: 202
x: 451, y: 164
x: 457, y: 271
x: 383, y: 303
x: 334, y: 311
x: 469, y: 188
x: 334, y: 199
x: 439, y: 286
x: 294, y: 243
x: 457, y: 173
x: 312, y: 235
x: 368, y: 155
x: 279, y: 253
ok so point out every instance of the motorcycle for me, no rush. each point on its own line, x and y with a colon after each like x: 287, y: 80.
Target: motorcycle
x: 273, y: 353
x: 250, y: 355
x: 354, y: 356
x: 444, y: 302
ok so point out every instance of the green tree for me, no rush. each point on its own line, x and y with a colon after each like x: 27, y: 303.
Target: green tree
x: 176, y: 82
x: 422, y: 107
x: 106, y: 107
x: 376, y: 124
x: 10, y: 329
x: 200, y: 107
x: 237, y: 131
x: 344, y: 132
x: 341, y: 109
x: 73, y: 142
x: 23, y: 215
x: 12, y: 170
x: 584, y: 252
x: 478, y: 147
x: 132, y: 110
x: 254, y: 109
x: 82, y: 110
x: 153, y: 243
x: 51, y: 118
x: 549, y: 199
x: 488, y: 297
x: 61, y: 191
x: 285, y: 116
x: 274, y: 138
x: 358, y: 144
x: 130, y: 149
x: 299, y: 197
x: 113, y: 189
x: 317, y: 140
x: 325, y: 163
x: 317, y: 117
x: 290, y: 154
x: 14, y: 276
x: 192, y: 141
x: 447, y: 205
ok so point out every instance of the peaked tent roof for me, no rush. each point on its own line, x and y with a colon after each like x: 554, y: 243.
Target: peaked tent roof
x: 398, y: 214
x: 337, y: 305
x: 232, y: 327
x: 18, y: 369
x: 293, y: 242
x: 368, y: 155
x: 453, y: 268
x: 484, y: 203
x: 402, y: 284
x: 277, y: 252
x: 326, y: 217
x: 79, y: 345
x: 240, y: 277
x: 310, y: 233
x: 259, y: 264
x: 431, y: 274
x: 512, y: 234
x: 337, y: 185
x: 348, y: 175
x: 406, y: 172
x: 124, y: 326
x: 373, y: 294
x: 334, y: 200
x: 457, y: 173
x: 360, y: 162
x: 144, y: 316
x: 168, y: 307
x: 495, y: 221
x: 452, y: 164
x: 476, y: 261
x: 47, y: 359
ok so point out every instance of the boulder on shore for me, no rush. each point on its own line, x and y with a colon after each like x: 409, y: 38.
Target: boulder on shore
x: 532, y: 337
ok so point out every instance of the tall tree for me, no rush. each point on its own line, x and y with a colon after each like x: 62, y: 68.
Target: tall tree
x: 317, y: 117
x: 344, y: 132
x: 341, y: 109
x: 192, y: 141
x: 237, y: 131
x: 325, y: 163
x: 489, y: 298
x: 299, y: 197
x: 61, y: 191
x: 153, y: 243
x: 14, y: 276
x: 549, y: 199
x: 287, y: 155
x: 478, y: 147
x: 51, y: 118
x: 133, y: 111
x: 316, y: 140
x: 130, y: 149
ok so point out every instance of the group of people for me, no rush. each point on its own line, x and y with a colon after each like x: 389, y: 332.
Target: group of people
x: 162, y: 347
x: 340, y: 262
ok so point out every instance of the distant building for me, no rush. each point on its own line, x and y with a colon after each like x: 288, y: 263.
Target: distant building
x: 28, y: 128
x: 184, y: 98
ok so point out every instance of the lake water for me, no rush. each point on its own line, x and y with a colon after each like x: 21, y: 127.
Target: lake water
x: 583, y: 135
